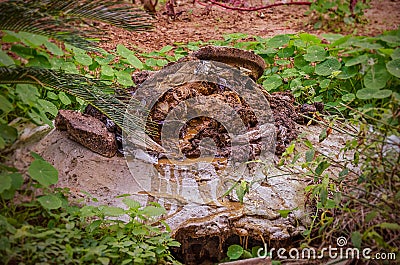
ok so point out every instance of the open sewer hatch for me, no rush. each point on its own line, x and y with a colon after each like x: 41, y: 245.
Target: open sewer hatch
x: 206, y: 147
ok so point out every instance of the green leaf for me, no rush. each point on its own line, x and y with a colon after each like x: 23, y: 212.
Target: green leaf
x: 32, y: 39
x: 356, y: 239
x: 83, y: 58
x: 272, y: 82
x: 50, y: 201
x: 106, y: 60
x: 390, y: 226
x: 370, y: 216
x: 310, y: 155
x: 325, y: 83
x: 308, y: 38
x: 323, y: 135
x: 28, y: 93
x: 5, y: 105
x: 344, y: 172
x: 357, y: 60
x: 278, y: 41
x: 64, y: 98
x: 5, y: 60
x: 393, y: 67
x: 376, y: 77
x: 284, y: 213
x: 103, y: 260
x: 107, y: 70
x: 321, y: 167
x: 134, y: 61
x: 315, y: 54
x: 348, y: 97
x: 153, y: 211
x: 124, y: 78
x: 123, y: 51
x: 53, y: 48
x: 5, y: 182
x: 8, y: 133
x: 69, y: 68
x: 131, y: 203
x: 347, y: 72
x: 234, y: 252
x: 395, y: 54
x: 43, y: 172
x: 369, y: 93
x: 48, y: 106
x: 166, y: 49
x: 113, y: 211
x: 327, y: 67
x: 39, y: 61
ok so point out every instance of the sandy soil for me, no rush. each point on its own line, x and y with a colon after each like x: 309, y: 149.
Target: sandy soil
x: 199, y: 23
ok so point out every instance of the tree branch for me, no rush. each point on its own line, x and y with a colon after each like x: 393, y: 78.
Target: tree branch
x: 213, y: 2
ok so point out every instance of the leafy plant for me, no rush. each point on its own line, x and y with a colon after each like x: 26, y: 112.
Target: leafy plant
x: 40, y: 225
x: 330, y: 13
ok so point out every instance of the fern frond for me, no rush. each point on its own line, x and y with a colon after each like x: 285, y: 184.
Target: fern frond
x: 88, y: 89
x: 68, y: 20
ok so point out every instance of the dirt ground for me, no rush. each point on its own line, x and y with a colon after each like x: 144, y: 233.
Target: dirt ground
x: 200, y: 23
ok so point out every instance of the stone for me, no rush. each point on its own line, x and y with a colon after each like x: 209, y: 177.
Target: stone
x: 88, y: 131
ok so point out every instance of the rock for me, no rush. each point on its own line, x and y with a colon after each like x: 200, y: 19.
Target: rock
x: 88, y: 131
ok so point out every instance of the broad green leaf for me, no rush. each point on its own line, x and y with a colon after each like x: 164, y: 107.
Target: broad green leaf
x: 32, y: 39
x: 134, y: 61
x: 323, y: 194
x: 327, y: 67
x: 315, y: 54
x: 43, y: 172
x: 153, y: 211
x: 325, y: 83
x: 348, y: 97
x: 8, y: 133
x: 2, y: 143
x: 347, y: 72
x: 106, y: 60
x: 272, y: 82
x: 310, y: 155
x: 234, y: 252
x: 123, y: 51
x: 16, y: 180
x: 367, y: 45
x: 331, y: 37
x: 356, y: 239
x: 321, y: 167
x: 383, y: 93
x: 107, y: 70
x: 50, y: 201
x: 69, y: 68
x: 83, y: 58
x: 391, y: 39
x: 393, y: 67
x: 24, y: 52
x: 166, y: 49
x: 103, y: 260
x: 53, y: 48
x: 5, y: 105
x: 5, y: 60
x: 5, y: 182
x: 278, y: 41
x: 48, y: 106
x: 161, y: 62
x: 396, y: 54
x: 113, y: 211
x: 64, y: 98
x: 39, y: 61
x: 124, y: 78
x: 131, y: 203
x: 286, y: 52
x: 151, y: 62
x: 357, y: 60
x: 376, y: 77
x: 308, y: 38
